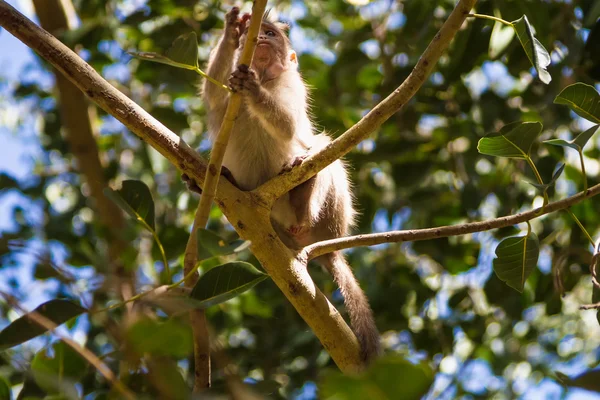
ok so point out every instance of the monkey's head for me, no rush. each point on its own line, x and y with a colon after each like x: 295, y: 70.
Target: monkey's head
x: 273, y: 54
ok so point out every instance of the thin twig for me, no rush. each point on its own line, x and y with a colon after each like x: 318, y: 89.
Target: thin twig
x: 483, y: 16
x: 593, y: 306
x: 85, y: 353
x: 198, y: 317
x: 327, y: 246
x: 580, y: 225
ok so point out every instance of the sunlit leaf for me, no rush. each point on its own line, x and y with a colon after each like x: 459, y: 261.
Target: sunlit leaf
x: 183, y: 53
x: 24, y: 328
x: 537, y: 54
x: 589, y: 380
x: 380, y: 381
x: 226, y: 282
x: 583, y: 99
x: 555, y: 176
x: 184, y: 49
x: 513, y: 140
x: 515, y: 258
x: 579, y: 142
x: 169, y: 338
x: 211, y: 243
x: 57, y: 372
x: 501, y: 37
x: 135, y: 198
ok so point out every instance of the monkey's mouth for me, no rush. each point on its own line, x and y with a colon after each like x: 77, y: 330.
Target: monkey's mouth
x: 263, y: 43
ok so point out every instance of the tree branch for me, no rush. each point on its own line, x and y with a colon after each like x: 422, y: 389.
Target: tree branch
x: 327, y: 246
x: 107, y: 97
x: 198, y: 317
x: 280, y: 185
x: 90, y: 357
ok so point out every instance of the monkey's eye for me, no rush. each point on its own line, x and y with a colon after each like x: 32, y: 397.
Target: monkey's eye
x: 270, y: 33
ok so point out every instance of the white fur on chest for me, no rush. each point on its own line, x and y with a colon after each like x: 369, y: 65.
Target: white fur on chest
x: 254, y: 156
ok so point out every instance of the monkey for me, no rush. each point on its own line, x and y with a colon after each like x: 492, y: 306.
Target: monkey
x: 274, y: 133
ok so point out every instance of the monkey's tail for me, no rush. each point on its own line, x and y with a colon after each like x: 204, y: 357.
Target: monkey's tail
x: 361, y: 316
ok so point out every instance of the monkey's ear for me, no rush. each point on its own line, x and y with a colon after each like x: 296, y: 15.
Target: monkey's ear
x: 293, y: 57
x: 284, y: 26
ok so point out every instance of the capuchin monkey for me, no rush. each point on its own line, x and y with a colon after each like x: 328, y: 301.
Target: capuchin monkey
x: 274, y: 133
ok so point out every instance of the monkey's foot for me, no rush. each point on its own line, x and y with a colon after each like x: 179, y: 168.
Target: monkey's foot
x: 297, y: 160
x: 191, y: 185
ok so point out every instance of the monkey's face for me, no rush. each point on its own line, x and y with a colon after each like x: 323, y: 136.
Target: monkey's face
x: 271, y: 56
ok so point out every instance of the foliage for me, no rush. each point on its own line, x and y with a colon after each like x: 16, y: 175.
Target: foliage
x: 438, y: 303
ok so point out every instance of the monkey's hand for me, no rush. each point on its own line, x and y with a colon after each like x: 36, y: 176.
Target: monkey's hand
x: 235, y: 26
x: 194, y: 187
x: 244, y: 80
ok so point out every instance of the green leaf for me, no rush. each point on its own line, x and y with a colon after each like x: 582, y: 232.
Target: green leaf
x: 583, y: 99
x: 169, y: 338
x: 537, y: 54
x: 226, y: 282
x: 174, y: 239
x: 516, y: 257
x: 555, y: 176
x: 183, y: 53
x: 58, y: 372
x: 135, y: 199
x: 380, y: 381
x: 578, y: 143
x: 211, y: 243
x: 501, y: 37
x: 5, y: 392
x: 513, y: 140
x: 184, y: 50
x: 21, y: 330
x: 589, y: 380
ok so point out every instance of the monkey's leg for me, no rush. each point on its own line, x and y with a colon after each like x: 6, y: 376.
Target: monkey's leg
x: 300, y: 198
x: 301, y: 194
x: 193, y: 186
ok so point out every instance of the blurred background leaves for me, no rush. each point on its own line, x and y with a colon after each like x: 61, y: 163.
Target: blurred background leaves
x: 436, y: 302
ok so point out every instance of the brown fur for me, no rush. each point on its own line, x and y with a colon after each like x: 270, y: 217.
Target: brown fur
x: 272, y: 128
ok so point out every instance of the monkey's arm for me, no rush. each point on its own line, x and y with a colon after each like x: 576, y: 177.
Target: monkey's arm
x: 275, y: 115
x: 221, y: 59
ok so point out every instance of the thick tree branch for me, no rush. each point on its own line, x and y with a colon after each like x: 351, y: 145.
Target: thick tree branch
x: 280, y: 185
x: 248, y: 213
x: 327, y: 246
